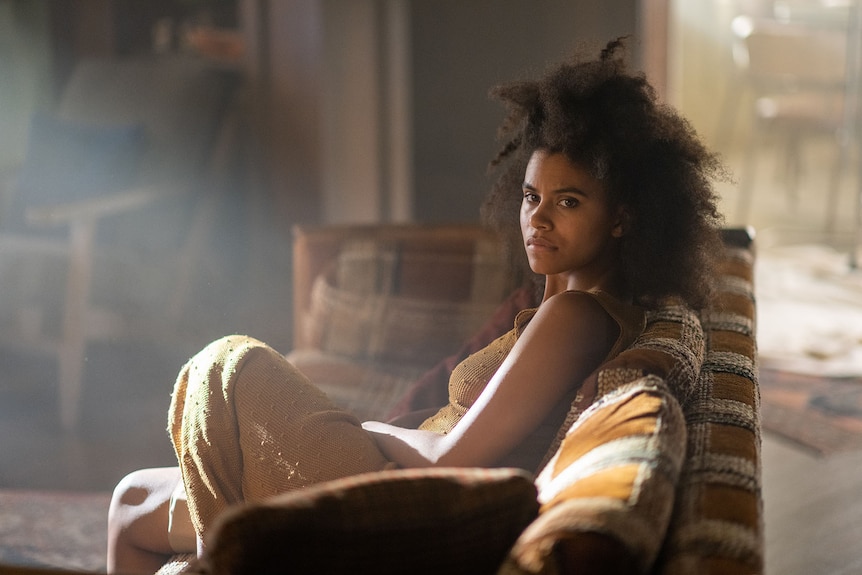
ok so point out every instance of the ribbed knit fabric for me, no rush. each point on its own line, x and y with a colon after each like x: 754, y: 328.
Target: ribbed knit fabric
x: 470, y: 377
x: 247, y: 425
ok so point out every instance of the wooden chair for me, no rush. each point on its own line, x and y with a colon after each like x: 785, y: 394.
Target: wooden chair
x: 125, y: 171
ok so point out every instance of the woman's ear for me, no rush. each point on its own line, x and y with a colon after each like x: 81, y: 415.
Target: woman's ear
x: 621, y: 226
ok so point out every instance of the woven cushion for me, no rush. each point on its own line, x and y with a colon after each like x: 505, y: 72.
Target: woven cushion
x: 367, y: 389
x: 416, y: 521
x: 662, y: 366
x: 372, y: 305
x: 614, y: 475
x: 671, y: 347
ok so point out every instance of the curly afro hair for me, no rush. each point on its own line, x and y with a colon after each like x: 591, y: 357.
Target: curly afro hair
x: 649, y: 158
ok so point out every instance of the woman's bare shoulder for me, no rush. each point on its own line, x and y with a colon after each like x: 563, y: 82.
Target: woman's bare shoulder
x: 576, y: 303
x: 573, y: 314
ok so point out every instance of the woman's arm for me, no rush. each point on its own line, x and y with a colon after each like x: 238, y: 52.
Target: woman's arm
x: 565, y: 341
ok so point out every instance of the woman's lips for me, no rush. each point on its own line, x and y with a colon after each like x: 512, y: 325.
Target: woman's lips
x: 539, y: 243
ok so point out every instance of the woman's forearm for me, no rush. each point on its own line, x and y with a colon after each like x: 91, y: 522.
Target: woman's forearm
x: 407, y: 447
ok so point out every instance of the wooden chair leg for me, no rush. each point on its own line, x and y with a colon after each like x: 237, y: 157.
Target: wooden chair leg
x: 747, y: 177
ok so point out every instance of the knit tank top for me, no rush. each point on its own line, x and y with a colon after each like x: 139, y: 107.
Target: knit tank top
x: 470, y: 377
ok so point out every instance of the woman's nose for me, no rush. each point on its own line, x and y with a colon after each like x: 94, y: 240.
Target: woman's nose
x: 539, y: 218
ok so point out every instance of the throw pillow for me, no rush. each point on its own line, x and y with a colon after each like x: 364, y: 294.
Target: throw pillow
x: 610, y: 486
x: 389, y: 328
x: 401, y: 521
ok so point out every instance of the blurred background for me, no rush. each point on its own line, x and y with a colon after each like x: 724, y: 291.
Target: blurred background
x: 773, y: 86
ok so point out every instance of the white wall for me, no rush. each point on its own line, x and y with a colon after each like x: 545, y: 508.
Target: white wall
x: 701, y: 67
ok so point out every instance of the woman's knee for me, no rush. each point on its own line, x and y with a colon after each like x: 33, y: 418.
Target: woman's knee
x: 229, y: 349
x: 220, y: 362
x: 238, y: 361
x: 230, y: 343
x: 206, y: 380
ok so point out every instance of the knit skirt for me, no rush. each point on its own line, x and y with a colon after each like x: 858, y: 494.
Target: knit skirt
x: 246, y: 424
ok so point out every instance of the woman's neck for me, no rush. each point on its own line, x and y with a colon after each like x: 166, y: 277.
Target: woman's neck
x: 612, y: 283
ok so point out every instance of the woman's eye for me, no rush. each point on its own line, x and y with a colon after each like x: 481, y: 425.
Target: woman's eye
x: 530, y: 197
x: 568, y: 202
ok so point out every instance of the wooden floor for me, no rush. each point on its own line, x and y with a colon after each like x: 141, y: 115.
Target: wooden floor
x: 813, y: 511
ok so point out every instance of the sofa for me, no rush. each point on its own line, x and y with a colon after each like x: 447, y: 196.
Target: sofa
x: 655, y: 470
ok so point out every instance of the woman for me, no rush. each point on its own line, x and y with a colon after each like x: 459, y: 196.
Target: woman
x: 616, y: 213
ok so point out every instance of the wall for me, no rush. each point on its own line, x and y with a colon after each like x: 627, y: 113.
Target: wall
x: 460, y: 50
x: 399, y: 101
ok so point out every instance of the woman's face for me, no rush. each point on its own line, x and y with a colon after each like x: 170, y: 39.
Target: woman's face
x: 567, y: 222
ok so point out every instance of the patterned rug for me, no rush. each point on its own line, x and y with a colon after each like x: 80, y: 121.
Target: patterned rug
x: 53, y: 529
x: 809, y: 311
x: 823, y: 414
x: 809, y: 339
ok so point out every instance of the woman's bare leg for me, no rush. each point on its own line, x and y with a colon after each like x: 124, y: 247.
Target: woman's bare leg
x: 138, y: 521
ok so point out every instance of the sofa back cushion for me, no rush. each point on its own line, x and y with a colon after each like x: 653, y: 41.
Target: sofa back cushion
x: 402, y: 298
x: 379, y: 326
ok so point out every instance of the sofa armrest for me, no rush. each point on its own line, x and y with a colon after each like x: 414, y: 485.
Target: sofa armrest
x: 458, y: 520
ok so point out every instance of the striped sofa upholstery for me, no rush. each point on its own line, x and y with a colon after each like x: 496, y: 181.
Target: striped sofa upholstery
x: 717, y: 526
